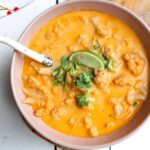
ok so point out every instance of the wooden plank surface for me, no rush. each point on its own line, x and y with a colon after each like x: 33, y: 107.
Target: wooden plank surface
x: 140, y: 7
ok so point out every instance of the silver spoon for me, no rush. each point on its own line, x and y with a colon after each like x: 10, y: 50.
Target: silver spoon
x: 28, y: 52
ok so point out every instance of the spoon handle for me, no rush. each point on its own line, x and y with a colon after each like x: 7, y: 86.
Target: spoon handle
x: 28, y: 52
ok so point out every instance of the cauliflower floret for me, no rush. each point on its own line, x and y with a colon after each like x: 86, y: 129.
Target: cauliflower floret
x: 123, y: 81
x: 37, y: 84
x: 33, y: 93
x: 88, y: 122
x: 121, y: 109
x: 134, y: 62
x: 94, y: 132
x: 69, y: 101
x: 89, y: 107
x: 101, y: 30
x: 48, y: 35
x: 110, y: 124
x: 62, y: 112
x: 138, y: 93
x: 95, y: 20
x: 72, y: 121
x: 141, y: 87
x: 58, y: 29
x: 34, y: 82
x: 44, y: 71
x: 111, y: 52
x: 59, y: 112
x: 84, y: 40
x: 34, y: 65
x: 84, y: 19
x: 102, y: 78
x: 49, y: 104
x: 115, y: 100
x: 91, y: 99
x: 134, y: 95
x: 29, y: 100
x: 118, y: 110
x: 41, y: 112
x: 41, y: 103
x: 54, y: 114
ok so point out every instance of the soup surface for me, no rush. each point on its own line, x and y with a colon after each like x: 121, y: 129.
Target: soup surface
x: 79, y: 99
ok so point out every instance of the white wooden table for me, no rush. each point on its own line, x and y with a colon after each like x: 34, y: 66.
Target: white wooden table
x: 14, y: 134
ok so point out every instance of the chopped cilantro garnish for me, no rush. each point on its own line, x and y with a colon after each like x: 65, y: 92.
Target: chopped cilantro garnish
x: 111, y: 66
x: 134, y: 104
x: 96, y: 47
x: 90, y: 74
x: 105, y: 60
x: 109, y: 63
x: 55, y: 82
x: 71, y: 69
x: 77, y: 65
x: 59, y: 76
x: 84, y: 80
x: 82, y: 100
x: 64, y: 62
x: 81, y: 75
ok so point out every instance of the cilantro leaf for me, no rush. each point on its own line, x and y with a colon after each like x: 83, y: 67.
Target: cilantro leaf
x: 64, y: 62
x: 90, y: 74
x: 59, y: 76
x: 82, y: 100
x: 55, y: 82
x: 84, y: 81
x: 134, y: 104
x: 96, y: 46
x: 111, y: 66
x: 104, y: 59
x: 71, y: 69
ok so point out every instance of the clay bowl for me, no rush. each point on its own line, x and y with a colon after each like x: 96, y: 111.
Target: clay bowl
x: 17, y: 65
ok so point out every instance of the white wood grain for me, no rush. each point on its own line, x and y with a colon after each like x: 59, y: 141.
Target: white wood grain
x: 60, y: 1
x: 14, y: 134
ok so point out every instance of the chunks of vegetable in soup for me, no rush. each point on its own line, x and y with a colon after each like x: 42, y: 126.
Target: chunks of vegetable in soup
x: 124, y: 81
x: 134, y: 63
x: 99, y: 79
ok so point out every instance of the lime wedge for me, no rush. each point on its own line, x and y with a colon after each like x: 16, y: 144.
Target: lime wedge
x: 88, y: 59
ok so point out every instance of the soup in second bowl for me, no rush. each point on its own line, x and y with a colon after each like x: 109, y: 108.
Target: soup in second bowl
x: 99, y: 79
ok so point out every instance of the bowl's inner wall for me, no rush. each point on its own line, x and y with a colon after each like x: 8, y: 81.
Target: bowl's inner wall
x: 41, y: 127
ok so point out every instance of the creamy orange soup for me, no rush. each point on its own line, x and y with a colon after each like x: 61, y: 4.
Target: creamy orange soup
x: 114, y: 97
